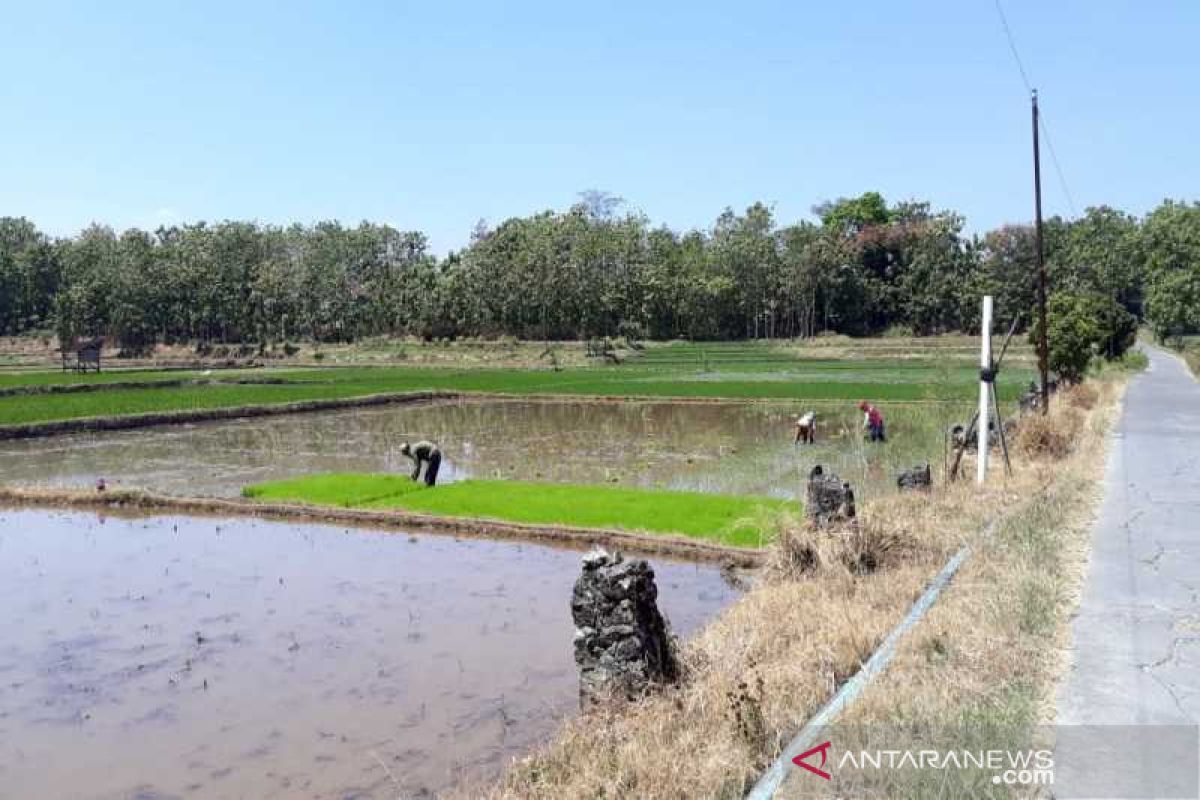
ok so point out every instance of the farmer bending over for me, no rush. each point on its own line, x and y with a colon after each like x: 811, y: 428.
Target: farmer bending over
x: 427, y: 453
x: 872, y: 421
x: 806, y: 428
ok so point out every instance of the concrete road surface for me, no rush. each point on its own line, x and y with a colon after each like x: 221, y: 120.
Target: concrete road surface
x: 1136, y: 653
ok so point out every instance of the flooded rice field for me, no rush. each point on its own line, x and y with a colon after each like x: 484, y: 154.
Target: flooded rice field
x: 181, y: 657
x: 710, y: 447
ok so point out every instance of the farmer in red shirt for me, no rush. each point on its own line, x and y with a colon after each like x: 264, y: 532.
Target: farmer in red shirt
x: 872, y: 421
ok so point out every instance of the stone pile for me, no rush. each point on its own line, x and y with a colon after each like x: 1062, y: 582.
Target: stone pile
x: 828, y: 499
x: 623, y: 645
x: 919, y: 477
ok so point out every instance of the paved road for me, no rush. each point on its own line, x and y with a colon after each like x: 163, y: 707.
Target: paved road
x: 1136, y: 658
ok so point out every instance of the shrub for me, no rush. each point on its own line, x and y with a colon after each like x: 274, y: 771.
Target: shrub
x: 898, y: 331
x: 632, y: 332
x: 1081, y: 327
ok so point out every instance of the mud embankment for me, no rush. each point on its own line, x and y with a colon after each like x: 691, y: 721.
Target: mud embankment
x: 170, y: 383
x: 135, y: 501
x: 129, y: 421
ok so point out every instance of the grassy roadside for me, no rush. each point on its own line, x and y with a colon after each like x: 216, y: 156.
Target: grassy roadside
x: 722, y: 518
x: 986, y: 660
x: 1186, y: 347
x: 768, y: 662
x: 1189, y: 349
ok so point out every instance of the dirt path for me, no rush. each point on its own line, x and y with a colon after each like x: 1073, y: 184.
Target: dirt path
x: 1136, y: 651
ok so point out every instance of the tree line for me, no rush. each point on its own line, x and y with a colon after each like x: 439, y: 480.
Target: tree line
x: 864, y: 267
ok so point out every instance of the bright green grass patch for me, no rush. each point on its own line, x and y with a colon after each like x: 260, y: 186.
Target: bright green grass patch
x: 18, y: 410
x: 721, y: 518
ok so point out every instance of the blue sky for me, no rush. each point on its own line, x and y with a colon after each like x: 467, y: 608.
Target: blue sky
x: 433, y: 115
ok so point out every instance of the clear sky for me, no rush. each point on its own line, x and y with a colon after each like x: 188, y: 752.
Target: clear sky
x: 433, y: 115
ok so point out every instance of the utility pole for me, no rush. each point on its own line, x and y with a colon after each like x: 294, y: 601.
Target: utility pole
x: 1043, y: 345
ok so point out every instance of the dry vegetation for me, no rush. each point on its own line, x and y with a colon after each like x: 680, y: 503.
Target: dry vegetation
x: 43, y: 351
x: 956, y: 346
x: 1189, y: 351
x: 764, y: 666
x: 991, y: 651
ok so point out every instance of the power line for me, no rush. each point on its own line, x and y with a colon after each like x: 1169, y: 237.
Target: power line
x: 1012, y: 46
x: 1057, y: 167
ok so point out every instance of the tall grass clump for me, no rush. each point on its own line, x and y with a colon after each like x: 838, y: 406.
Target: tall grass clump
x: 1053, y: 436
x: 802, y: 549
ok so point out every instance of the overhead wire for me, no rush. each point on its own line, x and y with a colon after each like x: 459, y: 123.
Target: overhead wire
x: 1045, y: 129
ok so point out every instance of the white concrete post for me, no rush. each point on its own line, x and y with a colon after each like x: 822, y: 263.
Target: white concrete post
x: 985, y: 362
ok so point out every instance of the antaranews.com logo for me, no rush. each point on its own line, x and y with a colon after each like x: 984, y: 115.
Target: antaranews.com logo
x: 1135, y: 762
x: 1029, y: 767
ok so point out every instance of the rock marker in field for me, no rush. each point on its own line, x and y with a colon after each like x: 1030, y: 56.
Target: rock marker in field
x: 622, y: 643
x: 919, y: 477
x: 828, y: 500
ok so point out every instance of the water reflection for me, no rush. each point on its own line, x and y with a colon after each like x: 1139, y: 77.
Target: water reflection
x: 168, y: 656
x: 711, y: 447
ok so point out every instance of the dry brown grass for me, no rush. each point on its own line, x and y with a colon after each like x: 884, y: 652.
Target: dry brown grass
x: 759, y: 670
x: 801, y: 550
x: 1054, y: 436
x: 1084, y: 396
x: 990, y: 652
x: 1192, y: 357
x: 42, y: 352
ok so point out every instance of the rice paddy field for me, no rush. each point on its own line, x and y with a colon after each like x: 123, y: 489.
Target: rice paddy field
x: 723, y: 518
x: 940, y: 371
x: 238, y: 657
x: 672, y: 420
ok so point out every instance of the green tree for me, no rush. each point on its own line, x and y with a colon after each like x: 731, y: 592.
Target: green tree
x: 30, y: 274
x: 1102, y: 252
x: 1173, y: 304
x: 1170, y: 239
x: 1082, y: 326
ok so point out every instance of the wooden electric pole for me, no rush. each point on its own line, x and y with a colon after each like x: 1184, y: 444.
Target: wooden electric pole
x: 1043, y: 345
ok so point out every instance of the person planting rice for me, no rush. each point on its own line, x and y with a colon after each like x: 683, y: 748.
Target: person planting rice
x: 427, y: 453
x: 872, y: 421
x: 806, y: 428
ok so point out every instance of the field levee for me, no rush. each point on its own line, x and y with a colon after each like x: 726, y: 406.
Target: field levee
x: 128, y: 421
x: 138, y: 501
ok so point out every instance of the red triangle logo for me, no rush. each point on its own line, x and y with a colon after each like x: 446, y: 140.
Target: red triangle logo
x: 823, y: 749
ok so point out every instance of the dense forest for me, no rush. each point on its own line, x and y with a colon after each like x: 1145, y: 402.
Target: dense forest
x: 866, y: 267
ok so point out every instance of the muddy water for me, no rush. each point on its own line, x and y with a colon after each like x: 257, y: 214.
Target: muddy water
x: 711, y: 447
x: 181, y: 657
